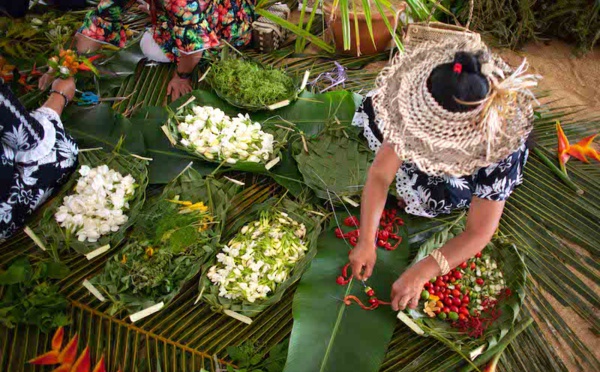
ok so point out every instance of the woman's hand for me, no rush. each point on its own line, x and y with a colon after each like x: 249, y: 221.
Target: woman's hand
x: 178, y: 87
x: 407, y: 289
x: 45, y: 81
x: 362, y: 259
x: 66, y: 86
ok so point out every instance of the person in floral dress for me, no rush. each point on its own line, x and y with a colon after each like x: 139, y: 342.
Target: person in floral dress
x: 182, y: 30
x: 37, y: 156
x: 449, y: 122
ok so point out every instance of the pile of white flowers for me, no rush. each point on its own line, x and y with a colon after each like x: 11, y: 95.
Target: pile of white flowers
x: 98, y: 204
x: 259, y: 258
x: 216, y: 136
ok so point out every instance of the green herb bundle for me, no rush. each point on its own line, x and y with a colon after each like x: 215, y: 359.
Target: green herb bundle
x: 510, y: 263
x: 56, y: 238
x: 297, y: 212
x: 180, y: 231
x: 29, y: 297
x: 249, y: 85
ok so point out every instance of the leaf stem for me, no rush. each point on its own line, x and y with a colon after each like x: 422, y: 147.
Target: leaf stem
x: 558, y: 172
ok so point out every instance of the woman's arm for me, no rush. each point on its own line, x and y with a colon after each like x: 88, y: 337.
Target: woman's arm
x: 381, y: 174
x: 482, y: 222
x: 178, y: 86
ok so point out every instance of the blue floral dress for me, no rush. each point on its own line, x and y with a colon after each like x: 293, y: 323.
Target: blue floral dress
x: 36, y: 158
x: 429, y: 196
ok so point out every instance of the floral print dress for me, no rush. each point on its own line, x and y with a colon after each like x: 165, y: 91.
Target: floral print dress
x: 429, y: 196
x: 182, y: 26
x: 36, y: 158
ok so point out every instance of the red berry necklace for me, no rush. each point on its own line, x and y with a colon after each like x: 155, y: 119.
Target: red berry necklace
x: 389, y: 224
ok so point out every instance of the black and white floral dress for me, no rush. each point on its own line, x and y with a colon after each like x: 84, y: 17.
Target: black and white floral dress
x: 36, y: 158
x: 429, y: 196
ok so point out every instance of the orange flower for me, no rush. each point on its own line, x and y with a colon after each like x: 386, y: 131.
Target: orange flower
x: 581, y: 150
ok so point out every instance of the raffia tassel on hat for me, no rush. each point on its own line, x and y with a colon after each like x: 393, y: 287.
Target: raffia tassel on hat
x: 453, y: 143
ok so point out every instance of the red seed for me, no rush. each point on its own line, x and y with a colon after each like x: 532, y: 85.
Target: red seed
x: 388, y: 246
x: 466, y: 300
x: 383, y: 235
x: 381, y: 243
x: 452, y: 280
x: 454, y: 309
x: 456, y: 301
x: 440, y: 283
x: 458, y: 275
x: 437, y: 288
x: 431, y: 291
x: 353, y: 241
x: 445, y: 278
x: 370, y: 293
x: 351, y: 221
x: 478, y: 255
x: 339, y: 233
x: 373, y: 301
x: 473, y: 266
x: 441, y: 296
x: 446, y: 309
x: 479, y: 281
x: 455, y: 292
x: 448, y: 301
x: 457, y: 285
x: 463, y: 265
x: 340, y: 280
x: 426, y: 285
x: 462, y: 316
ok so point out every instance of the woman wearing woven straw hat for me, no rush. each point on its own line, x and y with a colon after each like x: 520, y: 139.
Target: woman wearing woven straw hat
x: 449, y: 122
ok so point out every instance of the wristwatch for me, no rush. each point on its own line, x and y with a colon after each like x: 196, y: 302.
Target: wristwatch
x: 184, y: 75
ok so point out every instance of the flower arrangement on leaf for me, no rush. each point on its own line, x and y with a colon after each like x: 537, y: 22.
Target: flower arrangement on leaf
x: 180, y: 230
x: 99, y: 204
x: 209, y: 133
x: 259, y: 257
x: 68, y: 64
x: 268, y: 251
x: 96, y: 206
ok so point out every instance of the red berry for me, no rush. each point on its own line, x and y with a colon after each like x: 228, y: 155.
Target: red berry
x: 351, y: 221
x: 370, y: 293
x: 454, y: 309
x: 466, y: 300
x: 479, y: 281
x: 339, y: 233
x: 373, y: 301
x: 473, y: 266
x: 462, y: 316
x: 445, y: 278
x: 426, y: 285
x: 457, y: 286
x: 446, y: 309
x: 456, y: 301
x: 437, y: 288
x: 441, y: 296
x: 452, y: 280
x: 381, y: 243
x: 440, y: 283
x: 448, y: 301
x: 463, y: 265
x: 437, y: 311
x: 478, y: 255
x: 455, y: 292
x: 353, y: 241
x: 388, y: 246
x: 458, y: 275
x: 431, y: 291
x: 383, y: 235
x: 340, y: 280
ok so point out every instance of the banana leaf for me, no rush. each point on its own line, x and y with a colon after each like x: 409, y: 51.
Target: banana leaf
x: 296, y: 211
x: 233, y: 80
x: 329, y: 336
x: 168, y: 237
x: 57, y: 238
x: 335, y: 166
x: 510, y: 263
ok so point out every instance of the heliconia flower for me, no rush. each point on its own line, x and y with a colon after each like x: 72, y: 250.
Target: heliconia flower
x: 69, y: 353
x: 83, y: 363
x: 100, y: 366
x: 51, y: 357
x: 581, y: 150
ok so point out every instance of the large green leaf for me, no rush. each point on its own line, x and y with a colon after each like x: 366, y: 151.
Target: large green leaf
x: 335, y: 166
x: 329, y: 336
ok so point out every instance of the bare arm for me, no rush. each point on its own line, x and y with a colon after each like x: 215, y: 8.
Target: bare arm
x: 482, y: 222
x: 381, y: 174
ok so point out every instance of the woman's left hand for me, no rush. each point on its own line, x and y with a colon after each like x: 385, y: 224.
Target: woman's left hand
x: 407, y: 289
x: 178, y: 87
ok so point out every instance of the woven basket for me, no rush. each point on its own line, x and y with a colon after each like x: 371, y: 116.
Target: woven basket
x: 267, y: 36
x: 417, y: 33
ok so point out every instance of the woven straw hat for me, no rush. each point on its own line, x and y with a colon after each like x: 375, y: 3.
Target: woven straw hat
x: 443, y: 142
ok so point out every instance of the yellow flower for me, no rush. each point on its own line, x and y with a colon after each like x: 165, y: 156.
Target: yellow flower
x: 205, y: 223
x: 179, y: 202
x: 124, y: 260
x: 198, y: 207
x: 431, y: 307
x: 149, y: 251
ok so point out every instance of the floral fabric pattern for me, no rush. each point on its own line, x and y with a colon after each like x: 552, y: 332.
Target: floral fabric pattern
x: 51, y: 156
x: 429, y: 196
x: 182, y: 26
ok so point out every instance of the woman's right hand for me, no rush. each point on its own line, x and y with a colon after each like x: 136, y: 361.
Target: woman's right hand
x: 363, y: 258
x: 45, y: 81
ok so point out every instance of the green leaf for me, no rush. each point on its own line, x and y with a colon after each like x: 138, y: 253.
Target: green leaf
x: 329, y: 336
x: 19, y: 271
